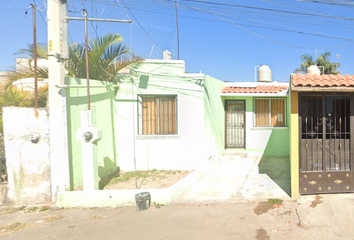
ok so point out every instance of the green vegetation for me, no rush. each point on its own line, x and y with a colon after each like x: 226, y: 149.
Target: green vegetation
x: 275, y: 201
x: 107, y: 56
x: 322, y: 61
x: 44, y: 208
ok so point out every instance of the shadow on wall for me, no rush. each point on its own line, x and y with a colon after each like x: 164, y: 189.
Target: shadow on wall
x: 102, y: 105
x: 278, y: 143
x: 107, y: 172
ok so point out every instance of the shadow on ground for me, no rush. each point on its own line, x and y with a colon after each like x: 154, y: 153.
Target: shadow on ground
x: 278, y: 169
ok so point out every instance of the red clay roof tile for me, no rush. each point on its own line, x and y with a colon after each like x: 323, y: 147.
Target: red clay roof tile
x: 309, y: 80
x: 257, y: 89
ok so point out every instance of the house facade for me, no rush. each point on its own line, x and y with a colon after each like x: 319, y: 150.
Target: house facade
x: 167, y: 118
x: 160, y: 117
x: 322, y: 118
x: 257, y: 117
x: 157, y: 117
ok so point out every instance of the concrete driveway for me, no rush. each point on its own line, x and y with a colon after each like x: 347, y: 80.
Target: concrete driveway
x: 238, y: 177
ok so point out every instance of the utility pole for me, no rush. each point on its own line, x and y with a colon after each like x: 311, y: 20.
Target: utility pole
x: 177, y: 30
x: 34, y: 19
x: 57, y: 53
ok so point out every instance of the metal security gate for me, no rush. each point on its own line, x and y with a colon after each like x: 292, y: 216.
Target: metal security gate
x: 326, y: 143
x: 235, y: 123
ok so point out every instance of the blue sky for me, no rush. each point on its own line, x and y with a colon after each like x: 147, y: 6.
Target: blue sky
x: 224, y: 39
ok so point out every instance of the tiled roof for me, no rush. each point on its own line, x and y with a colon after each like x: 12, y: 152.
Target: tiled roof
x: 256, y: 89
x: 323, y: 80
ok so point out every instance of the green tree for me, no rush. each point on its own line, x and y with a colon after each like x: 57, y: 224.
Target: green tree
x: 322, y: 61
x: 107, y: 56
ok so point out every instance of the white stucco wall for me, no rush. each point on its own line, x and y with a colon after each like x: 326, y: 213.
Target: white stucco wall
x: 28, y: 163
x: 181, y: 151
x: 257, y: 138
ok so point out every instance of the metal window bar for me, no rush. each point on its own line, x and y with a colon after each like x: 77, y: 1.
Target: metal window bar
x: 270, y: 112
x: 311, y: 134
x: 325, y: 138
x: 235, y: 123
x: 157, y: 114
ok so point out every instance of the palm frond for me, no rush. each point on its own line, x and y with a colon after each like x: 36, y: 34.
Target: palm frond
x: 42, y: 51
x: 321, y: 61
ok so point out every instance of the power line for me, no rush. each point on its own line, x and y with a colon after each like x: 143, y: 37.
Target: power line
x: 245, y: 13
x: 268, y: 9
x: 40, y: 12
x: 256, y: 34
x: 141, y: 26
x: 251, y: 22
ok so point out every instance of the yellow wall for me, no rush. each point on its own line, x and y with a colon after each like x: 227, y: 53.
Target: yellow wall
x: 294, y: 145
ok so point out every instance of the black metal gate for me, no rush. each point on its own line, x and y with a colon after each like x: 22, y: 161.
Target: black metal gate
x: 235, y: 123
x: 326, y: 143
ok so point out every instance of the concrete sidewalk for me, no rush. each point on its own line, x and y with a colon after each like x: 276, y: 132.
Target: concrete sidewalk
x: 310, y: 217
x: 238, y: 178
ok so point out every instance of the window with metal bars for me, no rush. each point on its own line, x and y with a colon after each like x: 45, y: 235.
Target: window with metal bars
x: 157, y: 114
x: 269, y: 112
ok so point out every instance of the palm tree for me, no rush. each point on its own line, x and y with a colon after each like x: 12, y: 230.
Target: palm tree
x: 107, y: 56
x: 322, y: 60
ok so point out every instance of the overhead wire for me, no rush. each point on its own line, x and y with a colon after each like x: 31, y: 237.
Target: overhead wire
x: 164, y: 3
x: 40, y: 11
x: 269, y: 9
x: 261, y: 36
x: 296, y: 30
x: 211, y: 20
x: 333, y: 3
x: 141, y: 26
x: 251, y: 22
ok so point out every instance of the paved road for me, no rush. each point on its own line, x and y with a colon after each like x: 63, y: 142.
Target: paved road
x: 315, y: 217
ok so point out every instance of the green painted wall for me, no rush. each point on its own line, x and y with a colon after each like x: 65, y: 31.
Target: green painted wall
x: 102, y: 103
x: 214, y: 114
x: 268, y: 141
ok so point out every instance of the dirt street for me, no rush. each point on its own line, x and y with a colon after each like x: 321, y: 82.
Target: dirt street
x: 312, y: 218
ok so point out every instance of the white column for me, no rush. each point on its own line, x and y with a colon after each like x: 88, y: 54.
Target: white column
x: 57, y: 52
x: 89, y: 136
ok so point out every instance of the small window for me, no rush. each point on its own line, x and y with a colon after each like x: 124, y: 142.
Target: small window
x: 269, y: 112
x: 157, y: 114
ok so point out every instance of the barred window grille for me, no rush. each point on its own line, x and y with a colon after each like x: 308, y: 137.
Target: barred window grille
x: 269, y: 112
x: 157, y: 114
